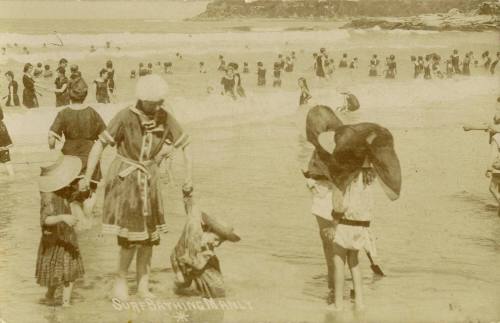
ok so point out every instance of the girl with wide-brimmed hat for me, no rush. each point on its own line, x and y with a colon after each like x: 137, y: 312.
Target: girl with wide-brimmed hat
x: 59, y: 262
x: 133, y: 204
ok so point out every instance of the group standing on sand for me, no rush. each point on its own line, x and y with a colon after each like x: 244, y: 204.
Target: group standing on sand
x: 340, y: 175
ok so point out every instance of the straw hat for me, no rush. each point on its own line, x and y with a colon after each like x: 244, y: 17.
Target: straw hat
x: 60, y: 174
x: 151, y: 88
x: 223, y: 230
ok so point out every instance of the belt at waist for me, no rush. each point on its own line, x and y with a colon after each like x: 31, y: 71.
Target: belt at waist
x: 135, y: 165
x: 355, y: 223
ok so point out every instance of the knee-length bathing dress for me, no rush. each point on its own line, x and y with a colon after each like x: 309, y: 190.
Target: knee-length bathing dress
x: 133, y: 206
x: 59, y: 260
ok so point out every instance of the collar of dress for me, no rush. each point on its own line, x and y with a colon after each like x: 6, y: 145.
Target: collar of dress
x: 146, y: 123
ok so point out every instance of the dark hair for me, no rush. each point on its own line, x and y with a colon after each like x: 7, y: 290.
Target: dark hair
x: 39, y: 65
x: 109, y: 64
x: 344, y: 55
x: 63, y: 61
x: 202, y: 63
x: 245, y: 63
x: 9, y: 73
x: 150, y: 65
x: 141, y: 64
x: 73, y: 68
x: 260, y: 64
x: 102, y: 72
x: 61, y: 70
x: 27, y: 66
x: 413, y: 58
x: 47, y: 67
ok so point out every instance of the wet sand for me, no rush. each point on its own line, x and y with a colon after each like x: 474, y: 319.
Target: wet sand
x: 439, y: 244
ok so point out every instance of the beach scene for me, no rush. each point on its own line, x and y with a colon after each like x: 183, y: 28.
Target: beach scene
x: 438, y: 244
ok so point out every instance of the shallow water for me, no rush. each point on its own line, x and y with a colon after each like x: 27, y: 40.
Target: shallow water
x: 438, y: 244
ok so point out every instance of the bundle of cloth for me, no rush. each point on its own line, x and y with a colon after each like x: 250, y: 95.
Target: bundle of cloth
x: 193, y: 259
x: 343, y: 150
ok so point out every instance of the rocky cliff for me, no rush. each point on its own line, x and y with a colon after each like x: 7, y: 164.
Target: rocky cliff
x: 331, y: 8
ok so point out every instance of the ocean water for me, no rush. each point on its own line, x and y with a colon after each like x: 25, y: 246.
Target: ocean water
x: 438, y: 244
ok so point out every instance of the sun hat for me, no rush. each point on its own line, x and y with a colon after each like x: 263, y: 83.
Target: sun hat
x: 345, y: 148
x: 223, y: 230
x: 60, y: 174
x: 151, y: 87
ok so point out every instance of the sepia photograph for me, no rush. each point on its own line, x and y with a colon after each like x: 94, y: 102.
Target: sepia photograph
x: 249, y: 161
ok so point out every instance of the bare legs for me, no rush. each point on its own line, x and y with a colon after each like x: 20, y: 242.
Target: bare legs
x: 342, y: 255
x: 9, y: 168
x: 66, y: 296
x: 143, y: 263
x: 327, y: 233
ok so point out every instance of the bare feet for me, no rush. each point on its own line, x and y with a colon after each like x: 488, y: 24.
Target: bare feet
x: 120, y: 290
x: 334, y: 308
x: 145, y: 294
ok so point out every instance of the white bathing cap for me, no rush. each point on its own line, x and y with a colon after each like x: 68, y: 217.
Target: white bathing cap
x: 151, y: 88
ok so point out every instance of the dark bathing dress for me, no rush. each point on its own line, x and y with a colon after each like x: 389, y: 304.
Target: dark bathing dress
x: 229, y: 86
x: 261, y: 77
x: 80, y: 128
x: 133, y: 204
x: 62, y: 99
x: 101, y: 92
x: 29, y: 96
x: 5, y: 141
x: 111, y: 80
x: 12, y: 101
x: 320, y: 71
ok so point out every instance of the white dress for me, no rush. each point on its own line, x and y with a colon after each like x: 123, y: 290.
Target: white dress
x: 358, y: 202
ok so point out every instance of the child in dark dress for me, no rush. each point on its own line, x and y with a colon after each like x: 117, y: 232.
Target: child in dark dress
x: 12, y: 97
x: 59, y: 262
x: 277, y: 75
x: 261, y: 74
x: 305, y: 95
x: 246, y: 70
x: 5, y: 145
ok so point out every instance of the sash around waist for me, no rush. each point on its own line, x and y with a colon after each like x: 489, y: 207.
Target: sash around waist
x: 135, y: 165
